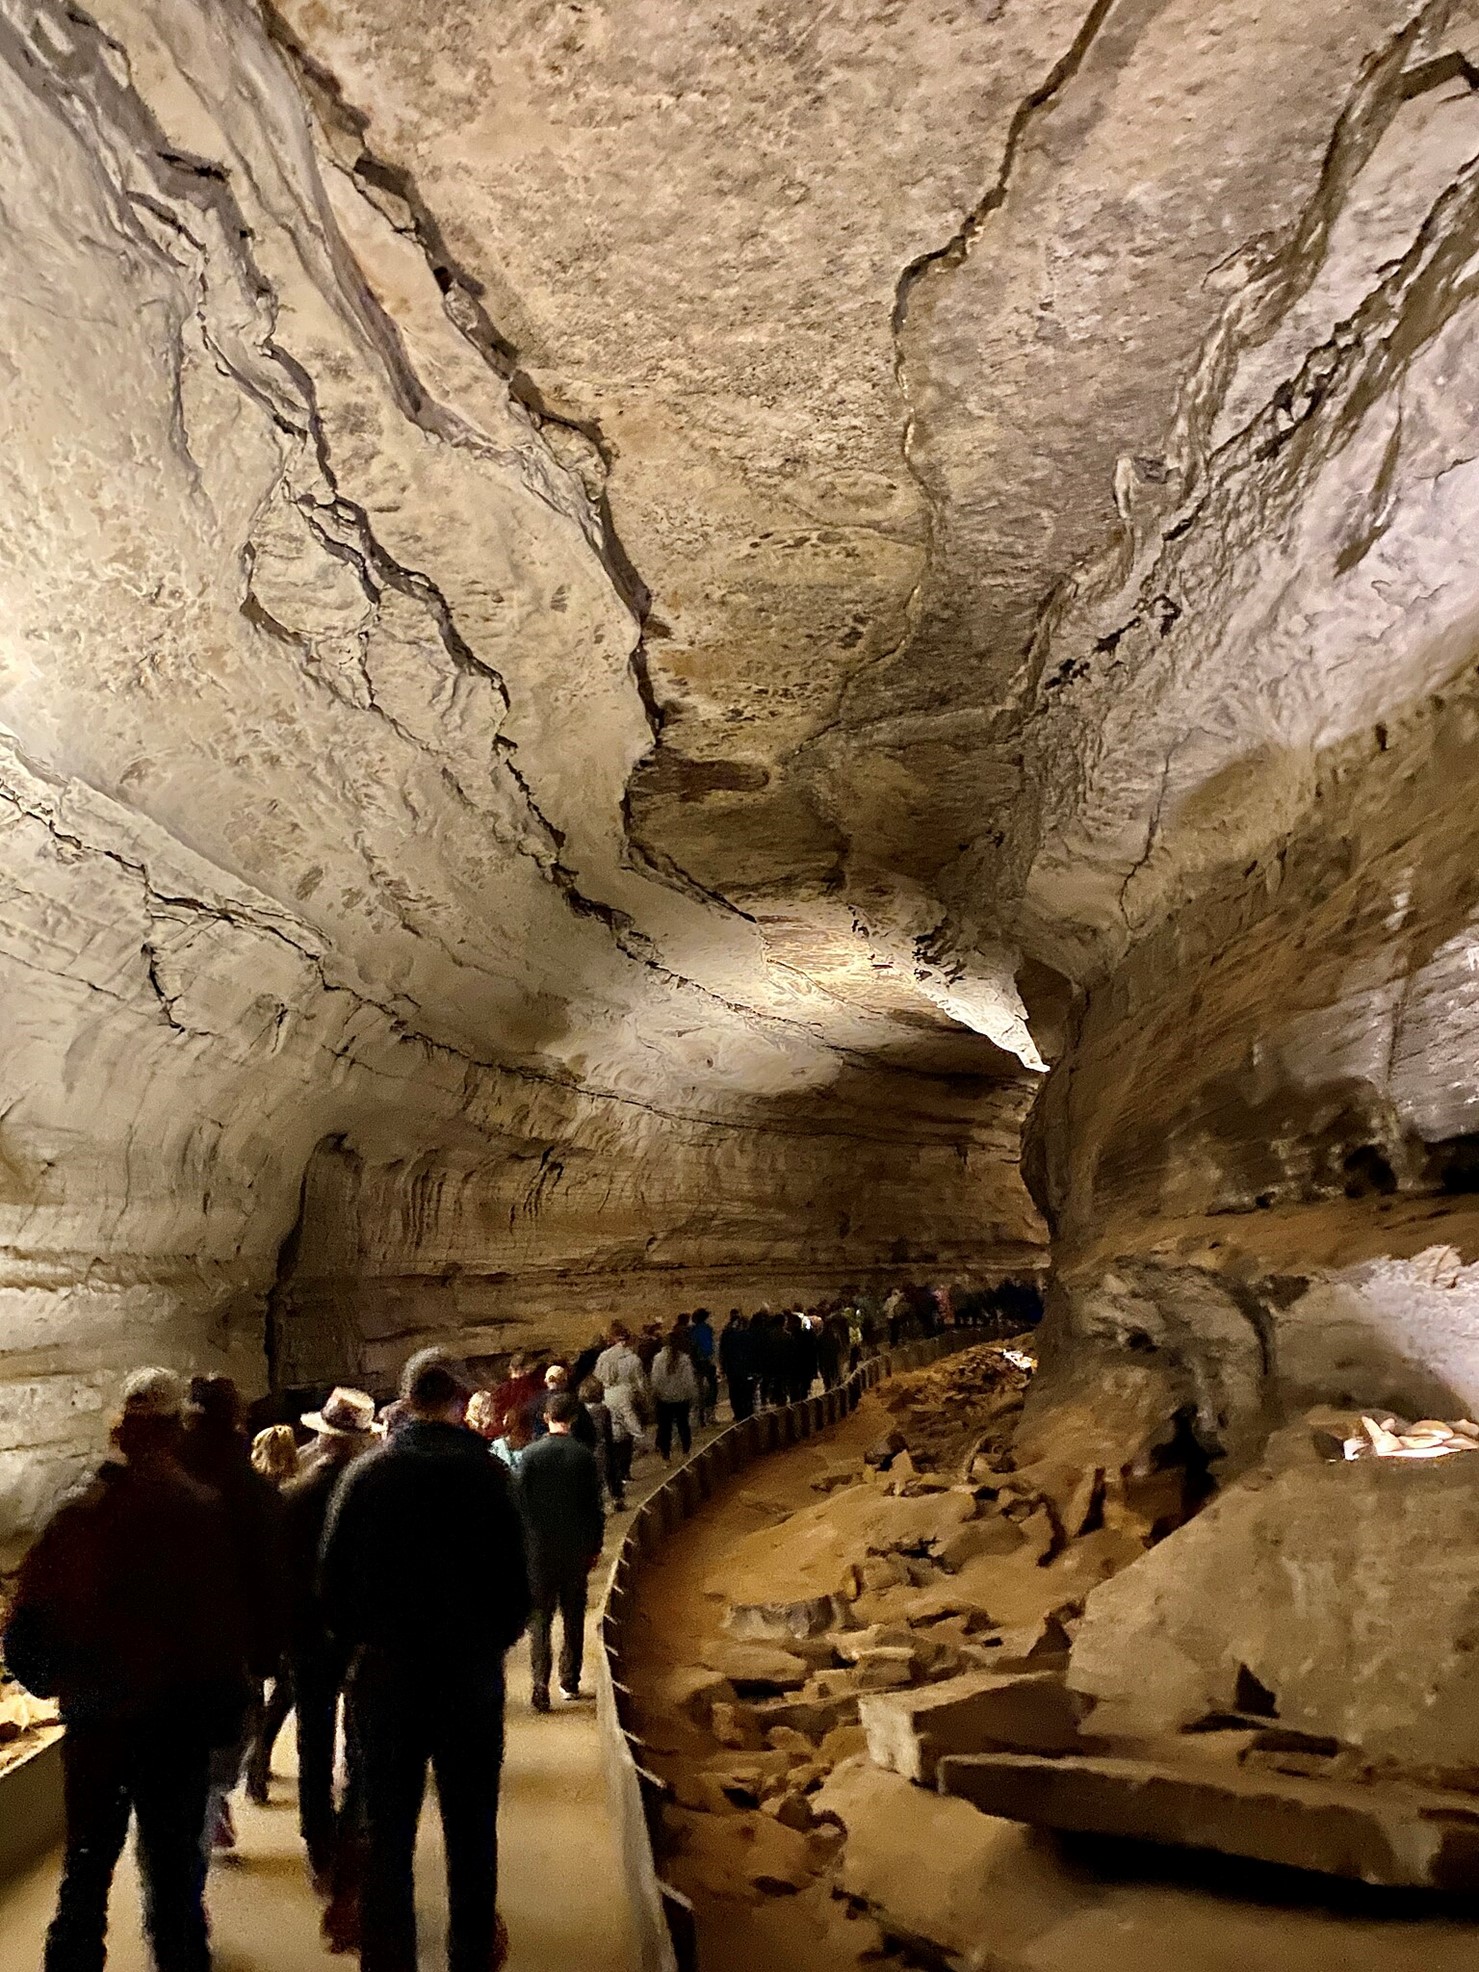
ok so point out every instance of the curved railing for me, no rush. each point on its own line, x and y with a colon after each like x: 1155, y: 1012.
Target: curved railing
x: 662, y: 1918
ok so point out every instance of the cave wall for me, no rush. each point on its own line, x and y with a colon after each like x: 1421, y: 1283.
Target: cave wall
x: 619, y: 623
x: 1260, y: 1152
x: 322, y: 685
x: 1250, y: 739
x: 542, y: 1242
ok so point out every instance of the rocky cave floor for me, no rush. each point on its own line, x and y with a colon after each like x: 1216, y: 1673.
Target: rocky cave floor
x: 955, y: 1569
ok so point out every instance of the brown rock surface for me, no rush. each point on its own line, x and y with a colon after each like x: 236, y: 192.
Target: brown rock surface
x: 1401, y: 1837
x: 1346, y: 1590
x: 962, y: 1886
x: 910, y: 1732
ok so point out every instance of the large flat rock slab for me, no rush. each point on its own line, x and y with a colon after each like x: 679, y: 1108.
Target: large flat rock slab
x: 909, y: 1732
x: 1395, y: 1835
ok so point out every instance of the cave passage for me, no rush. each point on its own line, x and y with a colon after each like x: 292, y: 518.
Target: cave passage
x: 796, y: 658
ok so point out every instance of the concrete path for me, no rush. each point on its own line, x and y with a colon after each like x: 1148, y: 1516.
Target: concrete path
x: 561, y: 1890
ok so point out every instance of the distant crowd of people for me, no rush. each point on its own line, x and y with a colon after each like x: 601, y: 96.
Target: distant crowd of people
x: 204, y: 1585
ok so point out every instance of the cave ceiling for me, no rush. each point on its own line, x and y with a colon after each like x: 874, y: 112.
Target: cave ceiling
x: 708, y: 548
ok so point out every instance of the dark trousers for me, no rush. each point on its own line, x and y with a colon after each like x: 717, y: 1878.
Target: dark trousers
x: 626, y: 1451
x: 708, y: 1388
x: 742, y: 1396
x: 451, y: 1719
x: 158, y: 1773
x: 267, y: 1721
x: 608, y: 1456
x: 670, y: 1418
x: 318, y: 1678
x: 564, y: 1590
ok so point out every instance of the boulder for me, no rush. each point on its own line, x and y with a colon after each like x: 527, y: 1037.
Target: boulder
x: 786, y: 1739
x: 989, y: 1533
x: 883, y: 1451
x: 700, y: 1792
x: 1346, y: 1591
x: 843, y: 1742
x: 809, y: 1712
x: 886, y: 1668
x: 785, y: 1622
x: 751, y: 1665
x: 791, y: 1809
x: 852, y: 1645
x: 1395, y: 1835
x: 736, y: 1725
x: 938, y: 1874
x: 909, y: 1732
x: 692, y: 1692
x: 813, y: 1929
x: 745, y: 1850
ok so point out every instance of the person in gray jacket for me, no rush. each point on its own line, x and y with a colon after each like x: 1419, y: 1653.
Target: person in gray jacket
x: 559, y: 1489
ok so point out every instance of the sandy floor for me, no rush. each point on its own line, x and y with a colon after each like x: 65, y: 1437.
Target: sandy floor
x: 561, y: 1893
x: 1049, y: 1906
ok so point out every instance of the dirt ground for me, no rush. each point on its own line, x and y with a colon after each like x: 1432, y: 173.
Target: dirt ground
x: 917, y: 1869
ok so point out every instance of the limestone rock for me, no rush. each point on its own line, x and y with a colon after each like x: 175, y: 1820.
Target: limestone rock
x: 886, y: 1668
x: 933, y: 1868
x: 790, y: 1809
x: 910, y: 1732
x: 735, y: 1725
x: 692, y: 1693
x: 761, y: 1666
x: 1297, y: 1576
x: 785, y: 1622
x: 1392, y: 1835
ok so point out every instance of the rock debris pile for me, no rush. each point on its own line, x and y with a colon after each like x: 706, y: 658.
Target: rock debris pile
x: 955, y: 1645
x: 925, y: 1602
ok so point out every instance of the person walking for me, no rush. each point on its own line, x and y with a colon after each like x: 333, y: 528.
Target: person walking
x: 701, y: 1348
x: 583, y: 1427
x: 608, y: 1458
x: 618, y: 1362
x: 559, y: 1487
x: 216, y: 1453
x: 344, y: 1429
x: 423, y: 1572
x: 620, y: 1373
x: 627, y: 1404
x: 675, y: 1392
x: 132, y: 1613
x: 737, y: 1361
x: 515, y: 1439
x: 275, y: 1456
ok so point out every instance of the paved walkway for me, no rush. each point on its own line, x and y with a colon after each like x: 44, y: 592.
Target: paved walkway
x: 561, y: 1888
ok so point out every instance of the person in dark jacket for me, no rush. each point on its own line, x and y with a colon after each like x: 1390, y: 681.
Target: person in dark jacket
x: 737, y: 1361
x: 216, y: 1452
x: 559, y: 1487
x: 344, y: 1429
x: 608, y: 1458
x: 131, y: 1612
x: 423, y: 1572
x: 701, y: 1347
